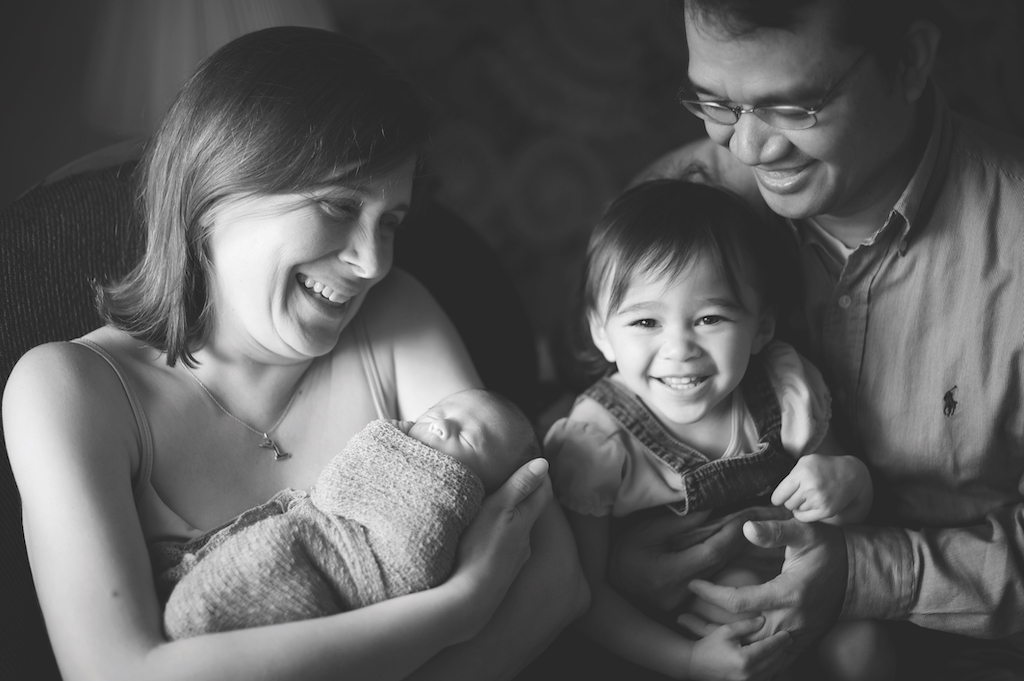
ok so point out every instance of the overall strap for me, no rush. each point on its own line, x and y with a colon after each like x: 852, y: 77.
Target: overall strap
x: 707, y: 483
x: 635, y: 417
x: 741, y: 479
x: 762, y: 402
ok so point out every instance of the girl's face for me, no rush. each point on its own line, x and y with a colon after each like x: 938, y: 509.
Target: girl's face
x: 290, y: 271
x: 682, y: 342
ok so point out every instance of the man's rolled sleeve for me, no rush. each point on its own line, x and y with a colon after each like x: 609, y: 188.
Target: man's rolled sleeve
x: 880, y: 581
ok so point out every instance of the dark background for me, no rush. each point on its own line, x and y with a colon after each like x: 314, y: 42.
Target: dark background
x: 546, y: 107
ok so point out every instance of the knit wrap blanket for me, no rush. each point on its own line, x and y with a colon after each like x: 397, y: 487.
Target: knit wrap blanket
x: 382, y: 520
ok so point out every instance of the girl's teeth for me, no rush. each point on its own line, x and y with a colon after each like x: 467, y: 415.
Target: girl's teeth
x: 336, y: 298
x: 682, y: 383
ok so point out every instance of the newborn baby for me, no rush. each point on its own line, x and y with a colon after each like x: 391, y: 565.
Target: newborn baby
x: 382, y: 520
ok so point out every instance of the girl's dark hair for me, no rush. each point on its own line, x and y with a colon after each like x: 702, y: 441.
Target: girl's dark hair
x: 662, y: 226
x: 280, y: 110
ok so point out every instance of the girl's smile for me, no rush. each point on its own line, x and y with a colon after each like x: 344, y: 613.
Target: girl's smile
x: 682, y: 383
x: 681, y: 341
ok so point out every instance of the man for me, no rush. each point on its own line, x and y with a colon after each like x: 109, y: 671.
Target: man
x: 909, y: 223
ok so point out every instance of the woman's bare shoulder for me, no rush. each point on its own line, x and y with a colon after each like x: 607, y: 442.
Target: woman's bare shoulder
x: 429, y: 360
x: 400, y: 312
x: 396, y: 296
x: 61, y: 392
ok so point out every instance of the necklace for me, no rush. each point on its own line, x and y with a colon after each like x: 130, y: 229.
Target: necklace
x: 267, y: 442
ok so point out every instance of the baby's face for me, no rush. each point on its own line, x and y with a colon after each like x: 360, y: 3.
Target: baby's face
x: 474, y: 428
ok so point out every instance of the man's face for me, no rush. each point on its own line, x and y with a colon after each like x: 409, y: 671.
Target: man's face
x: 855, y: 159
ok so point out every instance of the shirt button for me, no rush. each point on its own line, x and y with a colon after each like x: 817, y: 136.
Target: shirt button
x: 844, y: 301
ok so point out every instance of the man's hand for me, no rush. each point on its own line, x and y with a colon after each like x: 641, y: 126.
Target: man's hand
x: 805, y: 599
x: 654, y: 559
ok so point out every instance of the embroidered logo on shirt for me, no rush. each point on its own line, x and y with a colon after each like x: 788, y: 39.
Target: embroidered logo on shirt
x: 948, y: 403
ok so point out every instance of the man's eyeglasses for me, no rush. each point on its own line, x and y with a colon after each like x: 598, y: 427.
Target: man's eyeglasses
x: 784, y: 116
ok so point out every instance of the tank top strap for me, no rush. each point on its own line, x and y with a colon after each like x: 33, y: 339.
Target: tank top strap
x: 141, y: 481
x: 370, y: 369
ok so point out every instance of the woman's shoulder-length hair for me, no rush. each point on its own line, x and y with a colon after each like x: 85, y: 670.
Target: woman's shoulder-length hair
x: 276, y: 111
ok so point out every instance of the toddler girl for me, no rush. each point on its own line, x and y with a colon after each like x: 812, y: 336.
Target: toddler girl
x: 699, y: 410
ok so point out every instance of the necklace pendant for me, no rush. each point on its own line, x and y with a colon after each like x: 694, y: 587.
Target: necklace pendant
x: 279, y: 454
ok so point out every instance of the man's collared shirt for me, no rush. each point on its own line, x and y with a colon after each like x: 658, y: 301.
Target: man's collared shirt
x: 920, y: 336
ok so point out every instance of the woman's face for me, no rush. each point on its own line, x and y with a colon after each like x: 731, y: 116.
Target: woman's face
x: 289, y: 271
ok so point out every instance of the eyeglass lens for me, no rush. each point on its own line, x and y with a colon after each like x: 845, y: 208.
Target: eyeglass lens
x: 790, y: 118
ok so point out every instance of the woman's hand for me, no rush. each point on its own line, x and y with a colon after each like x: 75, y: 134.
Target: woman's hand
x: 496, y: 544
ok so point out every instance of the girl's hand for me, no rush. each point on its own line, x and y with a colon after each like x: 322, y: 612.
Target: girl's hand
x: 818, y: 487
x: 496, y: 544
x: 722, y: 656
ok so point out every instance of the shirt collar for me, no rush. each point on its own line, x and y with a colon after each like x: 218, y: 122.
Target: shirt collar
x: 918, y: 200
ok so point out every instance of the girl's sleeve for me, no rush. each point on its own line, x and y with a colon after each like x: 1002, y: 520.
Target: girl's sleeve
x: 804, y: 398
x: 587, y: 465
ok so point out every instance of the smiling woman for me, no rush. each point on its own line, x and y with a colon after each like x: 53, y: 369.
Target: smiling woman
x: 264, y: 310
x: 312, y: 259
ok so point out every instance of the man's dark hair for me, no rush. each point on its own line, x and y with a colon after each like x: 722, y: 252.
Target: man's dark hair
x: 878, y: 25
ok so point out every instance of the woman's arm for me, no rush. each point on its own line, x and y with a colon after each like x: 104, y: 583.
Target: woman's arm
x: 419, y: 350
x: 613, y: 621
x: 548, y: 594
x: 431, y: 362
x: 73, y: 444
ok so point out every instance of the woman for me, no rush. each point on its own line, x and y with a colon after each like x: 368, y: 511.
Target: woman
x: 257, y: 334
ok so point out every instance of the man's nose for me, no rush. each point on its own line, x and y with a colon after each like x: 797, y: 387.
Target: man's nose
x: 754, y: 142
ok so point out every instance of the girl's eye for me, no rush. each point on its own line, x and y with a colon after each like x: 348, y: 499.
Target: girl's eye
x: 339, y: 209
x: 708, y: 320
x: 644, y: 323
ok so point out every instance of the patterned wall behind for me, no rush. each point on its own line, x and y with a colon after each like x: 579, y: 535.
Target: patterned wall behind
x: 546, y: 110
x: 546, y: 107
x: 549, y: 107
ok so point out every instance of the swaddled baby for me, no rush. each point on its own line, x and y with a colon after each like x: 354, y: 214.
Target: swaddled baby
x: 382, y: 520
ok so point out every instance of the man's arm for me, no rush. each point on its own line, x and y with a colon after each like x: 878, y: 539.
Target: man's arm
x: 966, y: 580
x: 654, y: 559
x: 715, y: 163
